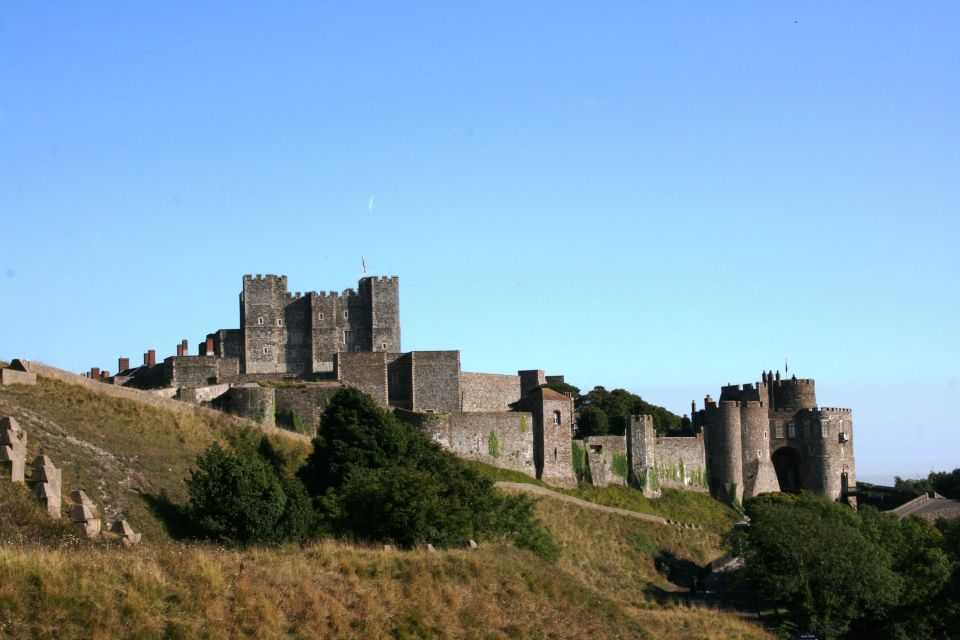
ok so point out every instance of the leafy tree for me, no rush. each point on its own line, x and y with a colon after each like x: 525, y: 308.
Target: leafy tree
x: 945, y: 483
x: 602, y: 412
x: 236, y: 495
x: 809, y: 554
x: 592, y: 421
x: 374, y: 477
x: 564, y: 388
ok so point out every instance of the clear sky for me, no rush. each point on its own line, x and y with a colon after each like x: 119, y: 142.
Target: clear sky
x: 663, y: 197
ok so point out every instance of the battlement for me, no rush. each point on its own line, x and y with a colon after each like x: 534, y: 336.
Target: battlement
x: 265, y: 278
x: 384, y: 279
x: 347, y: 293
x: 833, y: 410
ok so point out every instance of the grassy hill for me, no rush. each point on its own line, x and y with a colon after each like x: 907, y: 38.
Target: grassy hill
x: 617, y: 577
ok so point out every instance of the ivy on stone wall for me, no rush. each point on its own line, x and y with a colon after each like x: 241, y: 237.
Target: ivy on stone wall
x: 493, y: 444
x: 579, y: 460
x: 619, y: 465
x: 523, y: 424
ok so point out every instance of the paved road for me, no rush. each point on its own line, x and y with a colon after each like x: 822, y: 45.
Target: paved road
x: 543, y: 491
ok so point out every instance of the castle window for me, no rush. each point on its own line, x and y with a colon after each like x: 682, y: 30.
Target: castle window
x: 823, y: 429
x: 265, y: 351
x: 791, y: 430
x: 320, y: 316
x: 778, y: 431
x: 759, y: 454
x: 345, y: 313
x: 383, y: 345
x: 279, y: 322
x: 259, y: 320
x: 554, y: 454
x: 556, y: 417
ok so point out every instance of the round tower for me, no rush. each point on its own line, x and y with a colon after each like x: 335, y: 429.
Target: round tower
x: 725, y: 451
x: 794, y: 394
x: 758, y: 473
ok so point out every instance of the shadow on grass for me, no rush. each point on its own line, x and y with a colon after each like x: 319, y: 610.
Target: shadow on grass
x: 682, y: 573
x: 174, y: 517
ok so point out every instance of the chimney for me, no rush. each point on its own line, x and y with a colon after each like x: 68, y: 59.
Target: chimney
x: 209, y: 346
x: 179, y: 350
x: 184, y: 348
x: 146, y: 359
x: 94, y: 372
x: 123, y: 364
x: 104, y: 375
x: 152, y: 357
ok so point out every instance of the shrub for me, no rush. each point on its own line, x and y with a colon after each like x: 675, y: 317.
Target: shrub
x: 236, y: 495
x: 376, y: 478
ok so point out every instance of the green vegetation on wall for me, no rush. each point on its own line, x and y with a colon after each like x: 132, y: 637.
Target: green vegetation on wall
x: 523, y: 424
x: 619, y: 465
x: 579, y: 460
x: 493, y: 444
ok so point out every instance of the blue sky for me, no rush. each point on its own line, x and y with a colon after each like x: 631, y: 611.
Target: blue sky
x: 650, y: 196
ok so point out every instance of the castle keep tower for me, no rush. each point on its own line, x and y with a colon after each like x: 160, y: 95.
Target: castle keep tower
x: 300, y: 333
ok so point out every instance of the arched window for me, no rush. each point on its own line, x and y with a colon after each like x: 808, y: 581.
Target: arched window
x: 556, y: 417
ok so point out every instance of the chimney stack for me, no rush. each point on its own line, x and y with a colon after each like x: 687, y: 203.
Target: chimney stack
x: 123, y: 364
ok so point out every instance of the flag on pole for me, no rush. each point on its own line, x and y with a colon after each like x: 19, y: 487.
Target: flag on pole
x: 786, y: 369
x: 363, y: 261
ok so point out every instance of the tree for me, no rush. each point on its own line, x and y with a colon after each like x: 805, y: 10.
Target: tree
x: 945, y: 483
x: 236, y: 495
x: 809, y: 555
x: 602, y: 412
x: 377, y: 478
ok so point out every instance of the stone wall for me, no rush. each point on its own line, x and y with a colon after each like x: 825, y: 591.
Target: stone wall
x: 488, y: 391
x: 309, y: 402
x: 193, y: 371
x: 250, y: 401
x: 502, y: 439
x: 436, y: 380
x: 367, y: 371
x: 607, y: 460
x: 472, y: 436
x: 400, y: 379
x: 197, y: 395
x: 681, y: 462
x: 12, y: 376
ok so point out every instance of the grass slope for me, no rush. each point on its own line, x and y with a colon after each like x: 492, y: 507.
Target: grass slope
x: 683, y: 506
x: 124, y: 454
x: 618, y: 577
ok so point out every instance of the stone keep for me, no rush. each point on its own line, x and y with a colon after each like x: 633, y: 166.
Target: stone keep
x: 300, y: 333
x: 45, y: 478
x: 13, y: 449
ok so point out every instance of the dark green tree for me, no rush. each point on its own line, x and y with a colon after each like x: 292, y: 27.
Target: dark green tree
x: 236, y: 495
x: 810, y: 556
x: 616, y: 406
x: 376, y: 478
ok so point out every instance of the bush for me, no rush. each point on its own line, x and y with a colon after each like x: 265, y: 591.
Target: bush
x: 376, y: 478
x: 237, y: 496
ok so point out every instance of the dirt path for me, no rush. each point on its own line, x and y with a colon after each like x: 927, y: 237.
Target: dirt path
x: 543, y: 491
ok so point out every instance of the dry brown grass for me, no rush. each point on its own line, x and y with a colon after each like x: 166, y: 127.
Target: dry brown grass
x: 119, y: 451
x: 322, y: 591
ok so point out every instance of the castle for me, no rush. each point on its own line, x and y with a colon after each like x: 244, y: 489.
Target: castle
x: 293, y: 351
